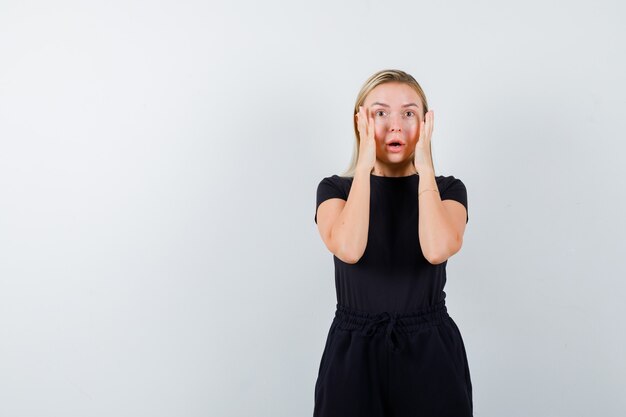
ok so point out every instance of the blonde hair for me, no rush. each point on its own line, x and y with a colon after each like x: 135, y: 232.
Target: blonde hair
x: 381, y: 77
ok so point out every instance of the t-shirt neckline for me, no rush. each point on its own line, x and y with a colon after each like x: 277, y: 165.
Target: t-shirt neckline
x: 394, y: 178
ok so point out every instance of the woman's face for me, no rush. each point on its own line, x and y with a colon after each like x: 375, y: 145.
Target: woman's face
x: 397, y: 113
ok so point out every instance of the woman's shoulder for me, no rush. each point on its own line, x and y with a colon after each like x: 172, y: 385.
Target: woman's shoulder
x: 448, y: 179
x: 447, y: 176
x: 451, y: 187
x: 338, y: 179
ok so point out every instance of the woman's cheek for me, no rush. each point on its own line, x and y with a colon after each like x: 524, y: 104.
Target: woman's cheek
x: 413, y: 128
x: 380, y: 131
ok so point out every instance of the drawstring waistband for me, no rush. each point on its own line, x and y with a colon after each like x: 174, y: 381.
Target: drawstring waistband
x: 396, y: 323
x: 390, y: 319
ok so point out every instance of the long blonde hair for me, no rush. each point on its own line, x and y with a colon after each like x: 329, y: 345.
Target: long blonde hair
x: 381, y: 77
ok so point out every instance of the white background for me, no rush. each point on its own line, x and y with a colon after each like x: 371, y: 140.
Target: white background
x: 158, y: 169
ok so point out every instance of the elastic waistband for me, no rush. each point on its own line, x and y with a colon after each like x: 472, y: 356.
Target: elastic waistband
x: 393, y: 323
x: 351, y: 319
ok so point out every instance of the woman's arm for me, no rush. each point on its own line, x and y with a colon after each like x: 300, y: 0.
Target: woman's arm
x: 441, y: 225
x: 347, y: 237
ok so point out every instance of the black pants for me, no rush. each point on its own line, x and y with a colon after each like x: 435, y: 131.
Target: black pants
x: 394, y: 365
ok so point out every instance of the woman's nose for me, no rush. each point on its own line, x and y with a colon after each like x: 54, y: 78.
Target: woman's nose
x: 395, y: 124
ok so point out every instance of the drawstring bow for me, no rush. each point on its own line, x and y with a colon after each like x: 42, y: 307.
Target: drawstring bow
x: 391, y: 334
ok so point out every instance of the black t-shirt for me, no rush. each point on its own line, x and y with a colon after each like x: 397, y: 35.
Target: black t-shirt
x: 392, y: 275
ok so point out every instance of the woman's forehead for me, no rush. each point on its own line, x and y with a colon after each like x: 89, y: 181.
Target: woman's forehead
x: 392, y: 94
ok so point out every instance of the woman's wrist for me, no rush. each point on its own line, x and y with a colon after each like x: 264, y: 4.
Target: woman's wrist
x: 365, y: 171
x: 427, y: 182
x: 426, y: 173
x: 423, y: 191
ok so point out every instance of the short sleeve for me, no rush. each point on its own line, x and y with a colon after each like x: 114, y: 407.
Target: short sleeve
x: 329, y: 187
x: 454, y: 189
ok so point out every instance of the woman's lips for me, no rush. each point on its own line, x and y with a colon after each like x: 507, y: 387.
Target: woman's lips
x: 395, y: 149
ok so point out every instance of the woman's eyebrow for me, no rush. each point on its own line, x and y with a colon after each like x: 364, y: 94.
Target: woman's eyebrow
x: 386, y: 105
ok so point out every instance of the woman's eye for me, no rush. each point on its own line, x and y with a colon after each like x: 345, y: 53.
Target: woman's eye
x: 409, y: 113
x: 378, y: 112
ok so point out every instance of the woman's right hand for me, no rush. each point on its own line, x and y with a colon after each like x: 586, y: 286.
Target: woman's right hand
x: 367, y: 145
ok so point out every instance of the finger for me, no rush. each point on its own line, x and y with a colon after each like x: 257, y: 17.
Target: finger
x: 430, y: 123
x: 432, y: 120
x: 373, y: 127
x: 360, y: 123
x: 363, y: 119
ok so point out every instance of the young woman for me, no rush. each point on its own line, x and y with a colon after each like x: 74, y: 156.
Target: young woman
x: 391, y: 224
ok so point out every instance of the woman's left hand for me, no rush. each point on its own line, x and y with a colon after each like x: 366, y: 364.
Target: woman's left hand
x: 423, y: 156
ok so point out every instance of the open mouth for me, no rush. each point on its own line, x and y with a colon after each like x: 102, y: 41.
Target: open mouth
x: 395, y: 146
